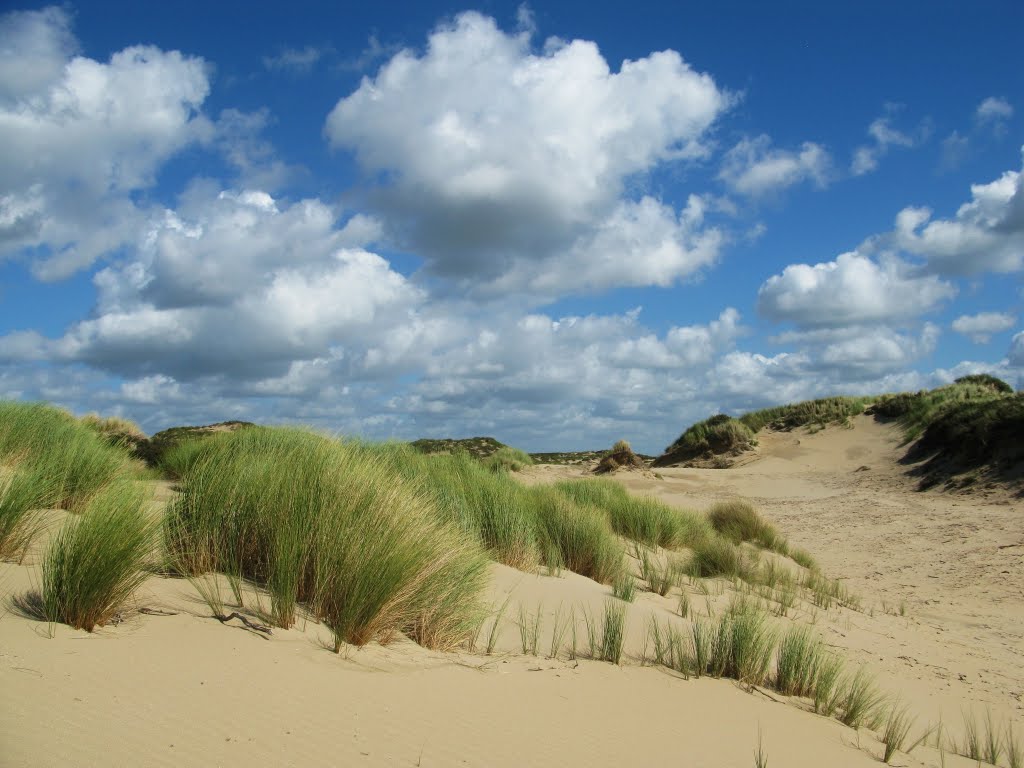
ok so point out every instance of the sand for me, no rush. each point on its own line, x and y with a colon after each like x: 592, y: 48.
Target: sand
x: 185, y: 689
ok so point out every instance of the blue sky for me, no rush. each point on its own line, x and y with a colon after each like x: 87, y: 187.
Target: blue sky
x: 559, y: 225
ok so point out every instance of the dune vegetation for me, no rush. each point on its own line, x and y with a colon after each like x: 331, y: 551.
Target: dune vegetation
x: 971, y: 424
x: 377, y: 540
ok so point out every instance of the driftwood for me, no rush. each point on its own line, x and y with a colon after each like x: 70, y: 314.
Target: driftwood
x: 224, y: 619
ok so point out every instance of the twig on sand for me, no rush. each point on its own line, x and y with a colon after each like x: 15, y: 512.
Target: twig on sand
x: 157, y: 612
x: 224, y: 619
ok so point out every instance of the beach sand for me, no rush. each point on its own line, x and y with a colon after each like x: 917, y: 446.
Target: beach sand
x: 185, y: 689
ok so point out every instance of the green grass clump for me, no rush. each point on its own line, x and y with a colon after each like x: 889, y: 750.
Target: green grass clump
x: 827, y: 684
x: 498, y: 511
x: 332, y: 526
x: 738, y: 521
x: 51, y: 441
x: 613, y: 632
x: 642, y: 519
x: 717, y: 557
x: 861, y: 703
x: 508, y: 459
x: 897, y: 728
x: 581, y: 534
x: 624, y: 587
x: 660, y: 577
x: 96, y: 561
x: 800, y: 656
x: 48, y: 459
x: 740, y: 646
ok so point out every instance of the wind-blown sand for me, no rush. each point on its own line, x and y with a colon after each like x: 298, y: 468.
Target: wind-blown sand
x: 185, y: 689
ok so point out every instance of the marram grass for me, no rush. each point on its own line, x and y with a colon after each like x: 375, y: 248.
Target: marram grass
x: 331, y: 526
x: 96, y: 561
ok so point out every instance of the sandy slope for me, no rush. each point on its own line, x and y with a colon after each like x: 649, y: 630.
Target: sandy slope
x: 187, y: 690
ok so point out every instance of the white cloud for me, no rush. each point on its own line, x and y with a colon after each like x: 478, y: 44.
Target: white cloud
x: 754, y: 167
x: 979, y: 328
x: 876, y: 351
x: 494, y: 155
x: 851, y: 290
x: 36, y: 45
x: 1016, y: 353
x: 235, y: 284
x: 985, y: 235
x: 994, y: 112
x: 884, y: 136
x: 296, y: 61
x: 80, y: 136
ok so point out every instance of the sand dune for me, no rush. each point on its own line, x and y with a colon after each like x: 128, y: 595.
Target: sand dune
x: 185, y: 689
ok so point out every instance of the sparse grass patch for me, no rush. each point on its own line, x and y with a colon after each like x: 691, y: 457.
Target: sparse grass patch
x: 827, y: 684
x: 613, y: 632
x: 862, y: 702
x: 897, y: 727
x: 624, y: 587
x: 96, y: 562
x: 659, y: 576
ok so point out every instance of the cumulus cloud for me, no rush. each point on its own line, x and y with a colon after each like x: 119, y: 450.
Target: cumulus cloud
x: 853, y: 289
x: 488, y: 154
x: 985, y: 235
x: 994, y: 112
x: 235, y: 284
x: 754, y: 167
x: 883, y: 135
x: 979, y: 328
x: 80, y: 136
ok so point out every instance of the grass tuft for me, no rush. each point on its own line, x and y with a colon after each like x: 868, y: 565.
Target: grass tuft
x: 96, y: 561
x: 897, y: 727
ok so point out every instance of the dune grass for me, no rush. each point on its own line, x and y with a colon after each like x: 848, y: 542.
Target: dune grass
x: 897, y: 728
x: 800, y: 656
x: 580, y: 533
x: 717, y: 557
x: 491, y: 506
x: 48, y: 459
x: 328, y: 525
x: 823, y: 411
x: 96, y: 561
x: 738, y: 521
x: 624, y: 587
x: 508, y: 459
x: 642, y: 519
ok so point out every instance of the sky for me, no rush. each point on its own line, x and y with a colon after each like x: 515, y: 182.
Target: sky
x: 558, y: 224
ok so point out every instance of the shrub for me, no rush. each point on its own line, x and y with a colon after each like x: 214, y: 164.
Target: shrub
x: 95, y: 562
